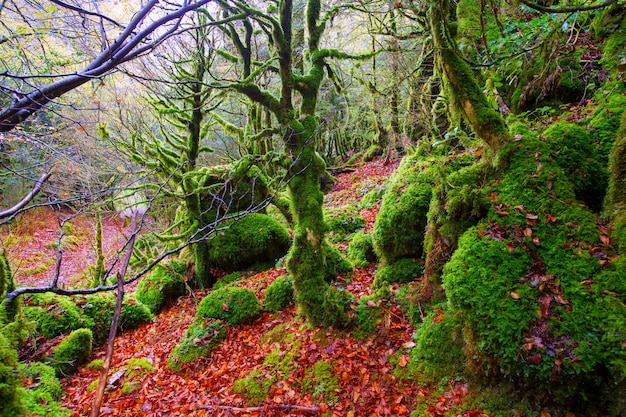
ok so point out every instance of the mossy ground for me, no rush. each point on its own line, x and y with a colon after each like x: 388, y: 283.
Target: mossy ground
x: 234, y: 305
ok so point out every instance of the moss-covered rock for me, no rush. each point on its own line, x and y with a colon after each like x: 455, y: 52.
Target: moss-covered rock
x: 438, y: 350
x: 401, y: 222
x: 44, y: 379
x: 279, y: 294
x: 10, y: 404
x: 73, y: 351
x: 361, y: 249
x: 335, y: 264
x: 101, y: 307
x: 161, y: 286
x: 522, y: 283
x: 251, y: 239
x: 402, y: 271
x: 55, y: 315
x: 367, y: 314
x: 202, y: 336
x: 234, y: 305
x: 574, y: 151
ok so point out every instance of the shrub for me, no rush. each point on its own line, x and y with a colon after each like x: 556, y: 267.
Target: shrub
x: 202, y: 336
x: 55, y: 315
x: 402, y: 271
x: 73, y: 351
x: 279, y: 294
x: 234, y: 305
x: 160, y: 286
x: 342, y: 221
x: 251, y: 239
x: 101, y: 307
x: 361, y: 249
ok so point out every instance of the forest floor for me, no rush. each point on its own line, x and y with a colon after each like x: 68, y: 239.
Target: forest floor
x: 368, y: 375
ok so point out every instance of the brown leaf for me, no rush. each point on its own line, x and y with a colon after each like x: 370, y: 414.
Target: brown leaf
x: 528, y: 232
x: 531, y: 216
x: 536, y: 241
x: 515, y: 295
x: 403, y: 361
x: 224, y: 306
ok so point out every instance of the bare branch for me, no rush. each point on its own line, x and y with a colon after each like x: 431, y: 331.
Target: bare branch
x: 28, y: 198
x: 571, y: 9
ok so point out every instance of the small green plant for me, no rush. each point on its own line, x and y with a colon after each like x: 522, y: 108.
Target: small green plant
x: 73, y: 351
x: 234, y: 305
x: 202, y: 336
x: 279, y: 294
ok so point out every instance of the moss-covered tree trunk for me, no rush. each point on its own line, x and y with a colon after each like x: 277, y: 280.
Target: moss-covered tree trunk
x: 615, y: 201
x: 306, y: 257
x: 466, y: 94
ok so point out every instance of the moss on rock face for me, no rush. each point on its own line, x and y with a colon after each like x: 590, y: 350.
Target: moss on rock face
x: 73, y: 351
x: 251, y: 239
x: 234, y: 305
x: 523, y: 282
x: 160, y: 286
x: 401, y: 222
x: 202, y: 336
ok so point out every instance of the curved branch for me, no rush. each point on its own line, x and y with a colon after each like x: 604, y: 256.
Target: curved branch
x: 28, y: 198
x: 571, y: 9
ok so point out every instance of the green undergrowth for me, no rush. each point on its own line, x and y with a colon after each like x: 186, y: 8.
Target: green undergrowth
x: 42, y: 392
x: 55, y: 315
x: 401, y: 271
x: 361, y: 249
x: 342, y: 221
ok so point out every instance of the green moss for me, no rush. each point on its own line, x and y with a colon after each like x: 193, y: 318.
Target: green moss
x: 100, y: 308
x: 402, y: 271
x: 73, y: 351
x: 342, y: 221
x: 361, y: 249
x: 573, y: 150
x: 160, y: 286
x: 136, y: 371
x: 438, y: 350
x: 279, y: 294
x: 336, y: 303
x: 335, y: 264
x: 373, y: 152
x: 367, y: 315
x: 10, y: 403
x: 96, y: 364
x: 251, y: 239
x: 42, y: 379
x: 401, y: 222
x: 234, y: 305
x: 255, y: 387
x: 202, y: 336
x: 229, y: 280
x: 55, y: 315
x: 322, y: 383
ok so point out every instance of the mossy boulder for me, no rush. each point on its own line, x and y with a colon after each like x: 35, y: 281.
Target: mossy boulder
x: 234, y: 305
x: 202, y: 336
x: 101, y: 307
x: 10, y: 404
x: 361, y: 249
x: 249, y: 240
x: 523, y: 284
x: 367, y: 314
x: 279, y: 294
x: 161, y: 286
x: 401, y: 222
x: 55, y: 315
x: 335, y: 263
x: 574, y: 150
x: 73, y: 351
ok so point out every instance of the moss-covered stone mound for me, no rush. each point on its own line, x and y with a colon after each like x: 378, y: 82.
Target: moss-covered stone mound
x: 234, y: 305
x: 73, y: 351
x: 279, y: 294
x: 202, y: 336
x: 249, y: 240
x: 161, y: 286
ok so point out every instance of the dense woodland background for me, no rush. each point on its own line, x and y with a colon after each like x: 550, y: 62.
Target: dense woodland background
x: 215, y: 207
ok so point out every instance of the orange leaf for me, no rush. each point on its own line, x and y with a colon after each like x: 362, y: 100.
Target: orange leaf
x: 515, y: 295
x: 224, y: 306
x: 536, y: 241
x: 403, y: 361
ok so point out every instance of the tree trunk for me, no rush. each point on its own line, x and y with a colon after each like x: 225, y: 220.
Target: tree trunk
x: 305, y: 261
x: 615, y: 201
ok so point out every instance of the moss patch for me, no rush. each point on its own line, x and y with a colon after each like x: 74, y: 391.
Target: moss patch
x: 361, y: 249
x: 55, y: 315
x: 403, y: 271
x: 279, y: 294
x: 73, y: 351
x: 322, y: 382
x: 160, y: 286
x: 202, y: 336
x: 342, y: 221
